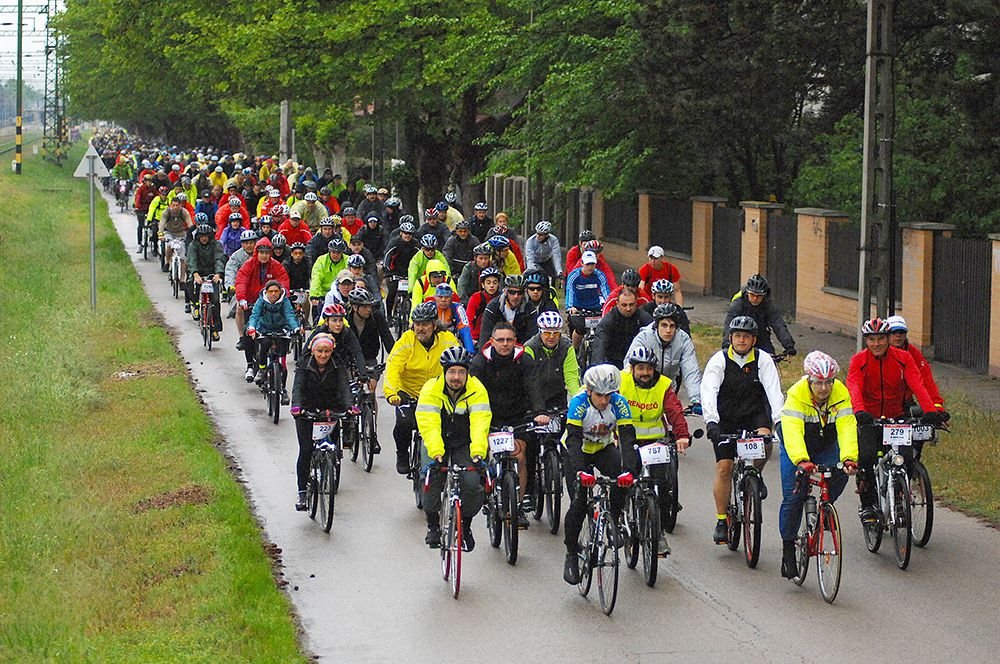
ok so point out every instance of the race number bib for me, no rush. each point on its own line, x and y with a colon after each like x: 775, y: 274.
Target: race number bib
x: 923, y: 432
x: 501, y: 441
x: 654, y: 454
x: 750, y: 448
x: 207, y: 287
x: 404, y: 284
x: 592, y: 321
x: 322, y: 429
x: 897, y: 435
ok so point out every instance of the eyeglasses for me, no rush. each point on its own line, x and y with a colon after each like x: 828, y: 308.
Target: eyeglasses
x: 550, y: 333
x: 504, y: 340
x: 821, y: 383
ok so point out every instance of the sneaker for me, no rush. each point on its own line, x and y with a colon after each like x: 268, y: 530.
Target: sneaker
x: 251, y: 372
x: 139, y: 250
x: 284, y: 397
x: 433, y: 537
x: 241, y: 344
x: 571, y: 569
x: 215, y: 336
x: 300, y: 504
x: 402, y: 463
x: 763, y: 489
x: 164, y: 268
x: 662, y: 548
x: 187, y: 307
x: 468, y: 541
x: 522, y: 520
x: 261, y: 376
x: 376, y: 448
x: 868, y: 514
x: 528, y: 503
x: 196, y: 311
x: 721, y: 535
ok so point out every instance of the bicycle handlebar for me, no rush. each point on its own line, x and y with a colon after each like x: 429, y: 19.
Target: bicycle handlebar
x: 323, y: 415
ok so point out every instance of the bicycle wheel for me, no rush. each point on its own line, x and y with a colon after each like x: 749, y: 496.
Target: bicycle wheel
x: 733, y: 528
x: 206, y: 337
x: 802, y: 550
x: 900, y: 525
x: 668, y: 515
x: 338, y: 468
x: 649, y: 533
x: 329, y: 495
x: 585, y: 542
x: 493, y: 526
x: 447, y: 537
x: 418, y: 481
x: 276, y: 389
x: 323, y: 485
x: 267, y: 393
x: 175, y: 279
x: 456, y: 553
x: 751, y: 519
x: 537, y: 483
x: 145, y: 245
x: 607, y: 564
x: 553, y: 489
x: 367, y: 438
x: 921, y: 505
x: 633, y: 530
x: 509, y: 515
x: 312, y: 487
x: 828, y: 553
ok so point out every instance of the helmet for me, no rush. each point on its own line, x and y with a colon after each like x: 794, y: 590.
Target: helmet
x: 896, y: 323
x: 382, y: 191
x: 348, y: 211
x: 310, y: 186
x: 424, y: 312
x: 310, y: 197
x: 337, y: 245
x: 265, y: 219
x: 204, y: 229
x: 248, y: 236
x: 393, y: 202
x: 430, y: 213
x: 602, y: 378
x: 326, y: 221
x: 593, y: 245
x: 441, y: 206
x: 279, y: 241
x: 489, y: 272
x: 513, y: 281
x: 334, y: 310
x: 202, y: 218
x: 484, y: 249
x: 480, y: 206
x: 273, y: 193
x: 668, y: 310
x: 819, y: 365
x: 743, y: 324
x: 407, y: 219
x: 631, y: 278
x: 662, y: 286
x: 587, y: 235
x: 233, y: 216
x: 550, y: 320
x: 875, y: 326
x: 296, y: 245
x: 641, y: 355
x: 450, y: 197
x: 455, y: 356
x: 324, y: 191
x: 543, y: 227
x: 757, y: 284
x: 536, y: 277
x: 370, y: 189
x: 360, y: 296
x: 182, y: 197
x: 356, y: 260
x: 407, y: 227
x: 499, y: 242
x: 429, y: 241
x: 234, y: 202
x: 463, y: 225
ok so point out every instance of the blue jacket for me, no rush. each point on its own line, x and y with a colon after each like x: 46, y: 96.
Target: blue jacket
x: 268, y: 318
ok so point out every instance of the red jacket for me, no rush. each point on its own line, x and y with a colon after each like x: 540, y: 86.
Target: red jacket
x: 574, y: 259
x: 879, y: 385
x: 475, y: 308
x: 295, y: 234
x: 641, y: 299
x: 354, y: 227
x: 253, y: 275
x: 144, y: 195
x: 222, y: 218
x: 924, y: 367
x: 332, y: 205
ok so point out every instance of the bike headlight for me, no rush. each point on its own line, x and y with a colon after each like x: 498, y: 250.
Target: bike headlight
x: 898, y: 460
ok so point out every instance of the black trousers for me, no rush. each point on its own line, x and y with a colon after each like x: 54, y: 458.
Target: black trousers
x: 609, y: 462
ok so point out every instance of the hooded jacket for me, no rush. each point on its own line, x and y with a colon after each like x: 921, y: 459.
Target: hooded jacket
x: 273, y: 317
x: 676, y: 360
x: 253, y: 274
x: 508, y: 381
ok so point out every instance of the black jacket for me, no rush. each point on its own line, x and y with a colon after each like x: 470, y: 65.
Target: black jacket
x: 614, y: 334
x: 299, y: 274
x: 374, y: 239
x: 376, y: 330
x: 459, y: 252
x: 329, y: 390
x: 493, y: 314
x: 441, y: 231
x: 768, y: 318
x: 513, y: 394
x: 206, y: 259
x: 398, y: 255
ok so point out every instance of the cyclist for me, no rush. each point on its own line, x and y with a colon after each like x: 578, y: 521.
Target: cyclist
x: 542, y: 251
x: 436, y: 274
x: 272, y: 314
x: 341, y: 291
x: 629, y: 284
x: 318, y: 243
x: 555, y: 368
x: 279, y: 248
x: 452, y: 316
x: 418, y: 264
x: 236, y: 260
x: 470, y: 280
x: 157, y: 206
x: 596, y: 416
x: 265, y: 224
x: 817, y: 427
x: 373, y: 236
x: 662, y: 291
x: 503, y: 257
x: 489, y: 286
x: 755, y: 301
x: 174, y: 225
x: 435, y: 225
x: 205, y: 260
x: 878, y: 379
x: 480, y: 221
x: 231, y: 236
x: 574, y: 254
x: 674, y: 351
x: 898, y: 339
x: 538, y: 297
x: 310, y: 210
x: 369, y: 325
x: 393, y: 211
x: 453, y: 413
x: 653, y: 405
x: 614, y: 334
x: 603, y: 266
x: 740, y: 391
x: 321, y: 383
x: 372, y: 204
x: 508, y: 306
x: 326, y: 268
x: 501, y: 227
x: 505, y: 371
x: 412, y: 362
x: 458, y: 249
x: 349, y: 221
x: 357, y: 264
x: 398, y: 254
x: 258, y: 270
x: 299, y: 274
x: 658, y: 268
x: 454, y: 213
x: 144, y: 195
x: 332, y: 321
x: 232, y: 205
x: 586, y: 290
x: 294, y: 229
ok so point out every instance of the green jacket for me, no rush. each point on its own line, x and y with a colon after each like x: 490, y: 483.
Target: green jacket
x: 324, y: 272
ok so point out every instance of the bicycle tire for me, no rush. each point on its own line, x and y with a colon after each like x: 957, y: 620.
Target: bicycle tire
x: 323, y: 486
x: 802, y: 554
x: 668, y: 517
x: 145, y: 245
x: 511, y: 511
x: 330, y: 496
x: 585, y: 556
x: 537, y: 483
x: 901, y: 535
x: 607, y: 565
x: 456, y: 556
x: 354, y: 432
x: 445, y: 545
x: 493, y: 527
x: 173, y: 283
x: 276, y: 389
x: 553, y: 489
x: 752, y: 519
x: 418, y: 484
x: 733, y: 527
x: 338, y: 468
x: 829, y: 560
x: 367, y: 441
x: 267, y: 394
x: 649, y: 528
x: 312, y: 489
x: 633, y: 531
x: 921, y: 505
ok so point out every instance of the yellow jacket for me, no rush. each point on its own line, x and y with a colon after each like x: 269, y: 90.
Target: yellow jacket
x: 434, y: 406
x: 410, y: 365
x: 803, y: 428
x: 218, y: 179
x: 510, y: 264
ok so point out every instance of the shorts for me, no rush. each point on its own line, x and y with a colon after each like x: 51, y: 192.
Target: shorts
x: 726, y: 450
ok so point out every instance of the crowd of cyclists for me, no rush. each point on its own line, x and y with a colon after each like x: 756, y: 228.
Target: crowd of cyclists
x: 477, y: 327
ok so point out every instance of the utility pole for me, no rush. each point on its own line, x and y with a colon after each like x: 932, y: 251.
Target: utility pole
x: 285, y: 139
x: 18, y: 129
x: 878, y: 226
x: 54, y: 137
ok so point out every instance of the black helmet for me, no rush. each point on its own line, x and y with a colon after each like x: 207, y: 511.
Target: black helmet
x: 587, y: 235
x: 631, y: 278
x: 360, y: 296
x: 743, y: 324
x: 757, y: 284
x: 336, y: 244
x: 424, y: 312
x: 668, y: 310
x: 455, y: 356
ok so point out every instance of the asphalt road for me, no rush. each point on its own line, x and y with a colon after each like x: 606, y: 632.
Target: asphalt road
x: 370, y: 591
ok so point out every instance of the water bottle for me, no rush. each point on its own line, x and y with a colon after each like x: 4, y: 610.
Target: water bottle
x: 811, y: 512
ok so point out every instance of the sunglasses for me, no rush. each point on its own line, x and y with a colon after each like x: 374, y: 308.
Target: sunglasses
x: 534, y: 288
x: 511, y: 291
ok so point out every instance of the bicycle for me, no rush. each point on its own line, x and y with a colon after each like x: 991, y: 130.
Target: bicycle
x: 641, y: 518
x: 597, y: 542
x: 178, y: 266
x: 271, y: 385
x: 416, y: 445
x: 149, y: 241
x: 590, y: 320
x: 300, y: 303
x: 744, y: 511
x: 451, y: 520
x: 819, y: 533
x: 367, y: 427
x: 548, y: 477
x: 401, y: 310
x: 324, y: 467
x: 121, y: 193
x: 502, y: 505
x: 206, y: 318
x: 921, y: 492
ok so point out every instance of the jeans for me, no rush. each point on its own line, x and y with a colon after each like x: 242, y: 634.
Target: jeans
x: 790, y: 513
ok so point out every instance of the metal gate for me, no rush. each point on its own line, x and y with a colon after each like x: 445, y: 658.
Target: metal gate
x: 960, y: 320
x: 727, y: 232
x: 782, y: 249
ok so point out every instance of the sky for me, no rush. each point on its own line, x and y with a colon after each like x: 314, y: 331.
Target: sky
x: 34, y: 42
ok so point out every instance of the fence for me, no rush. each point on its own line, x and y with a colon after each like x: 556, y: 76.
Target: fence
x: 726, y: 249
x: 621, y: 219
x: 782, y: 250
x: 962, y: 282
x: 670, y: 225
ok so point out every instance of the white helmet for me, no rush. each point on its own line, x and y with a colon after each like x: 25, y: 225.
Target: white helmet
x: 602, y: 378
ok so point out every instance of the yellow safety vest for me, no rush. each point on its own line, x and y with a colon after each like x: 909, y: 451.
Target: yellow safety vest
x: 647, y: 406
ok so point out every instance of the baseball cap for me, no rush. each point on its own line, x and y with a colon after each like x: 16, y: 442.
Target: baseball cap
x: 896, y: 324
x: 589, y: 258
x: 655, y: 251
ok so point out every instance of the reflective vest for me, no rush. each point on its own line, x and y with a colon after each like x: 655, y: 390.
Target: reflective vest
x: 647, y: 406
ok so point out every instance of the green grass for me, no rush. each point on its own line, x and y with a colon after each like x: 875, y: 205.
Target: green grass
x: 91, y: 573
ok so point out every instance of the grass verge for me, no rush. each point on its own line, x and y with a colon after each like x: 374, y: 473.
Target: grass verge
x: 124, y: 537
